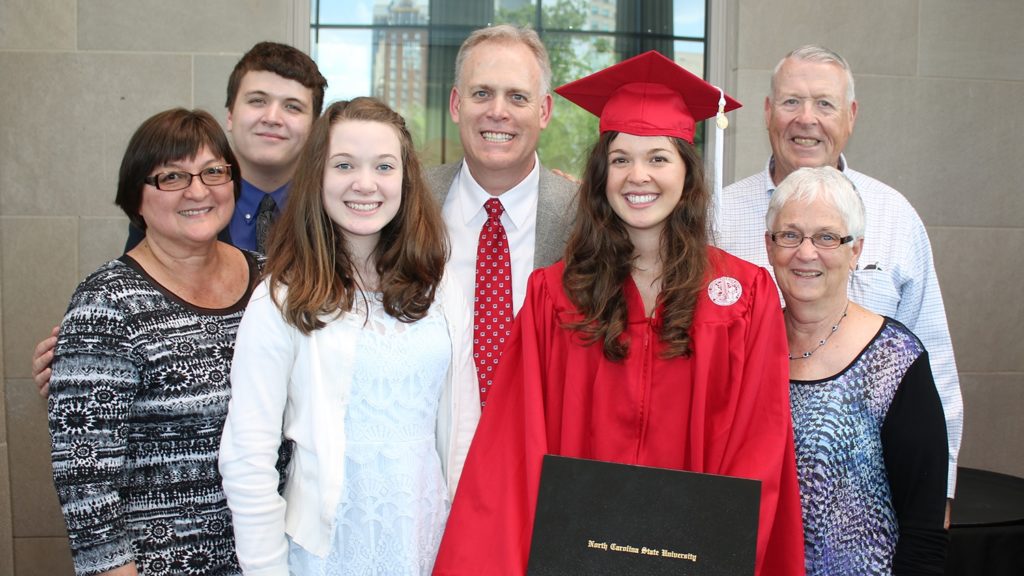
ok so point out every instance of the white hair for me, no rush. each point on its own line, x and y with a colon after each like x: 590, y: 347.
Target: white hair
x: 821, y: 55
x: 825, y: 183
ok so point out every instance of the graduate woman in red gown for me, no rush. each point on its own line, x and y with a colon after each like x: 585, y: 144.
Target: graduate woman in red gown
x: 645, y: 345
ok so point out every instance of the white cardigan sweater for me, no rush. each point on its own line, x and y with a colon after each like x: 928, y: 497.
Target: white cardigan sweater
x: 284, y: 380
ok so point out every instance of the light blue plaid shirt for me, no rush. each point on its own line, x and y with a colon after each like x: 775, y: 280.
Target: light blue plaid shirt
x: 895, y: 276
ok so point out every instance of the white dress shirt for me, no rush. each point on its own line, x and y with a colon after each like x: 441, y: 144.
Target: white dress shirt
x: 895, y: 276
x: 464, y: 215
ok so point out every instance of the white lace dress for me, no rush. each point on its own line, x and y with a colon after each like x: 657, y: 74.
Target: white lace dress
x: 394, y: 502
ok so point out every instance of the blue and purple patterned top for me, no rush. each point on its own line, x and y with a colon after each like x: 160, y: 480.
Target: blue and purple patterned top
x: 871, y: 461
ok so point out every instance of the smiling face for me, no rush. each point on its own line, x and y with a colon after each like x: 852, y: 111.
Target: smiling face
x: 269, y: 123
x: 808, y: 274
x: 192, y: 216
x: 808, y: 117
x: 500, y: 112
x: 363, y: 180
x: 646, y: 176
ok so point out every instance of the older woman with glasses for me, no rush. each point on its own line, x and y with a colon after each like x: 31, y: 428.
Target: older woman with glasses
x: 869, y: 426
x: 139, y: 390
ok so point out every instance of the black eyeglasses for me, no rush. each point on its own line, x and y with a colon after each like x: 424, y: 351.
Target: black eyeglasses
x: 211, y: 176
x: 826, y: 240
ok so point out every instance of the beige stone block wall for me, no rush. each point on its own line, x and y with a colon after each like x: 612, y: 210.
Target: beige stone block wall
x: 940, y: 85
x: 76, y: 78
x: 6, y: 532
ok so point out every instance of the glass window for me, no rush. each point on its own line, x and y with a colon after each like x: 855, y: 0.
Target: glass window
x: 688, y: 19
x: 403, y: 51
x: 332, y: 12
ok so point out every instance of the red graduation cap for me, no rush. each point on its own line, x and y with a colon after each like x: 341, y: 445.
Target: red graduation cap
x: 648, y: 95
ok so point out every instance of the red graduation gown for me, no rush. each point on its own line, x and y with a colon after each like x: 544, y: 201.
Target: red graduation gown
x: 724, y: 410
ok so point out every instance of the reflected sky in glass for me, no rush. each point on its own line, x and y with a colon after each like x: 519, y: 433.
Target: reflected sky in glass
x: 688, y: 15
x: 690, y: 55
x: 688, y: 18
x: 344, y: 57
x: 347, y: 11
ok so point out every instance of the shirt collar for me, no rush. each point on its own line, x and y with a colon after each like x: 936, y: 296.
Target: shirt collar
x: 518, y: 201
x: 770, y: 185
x: 249, y: 200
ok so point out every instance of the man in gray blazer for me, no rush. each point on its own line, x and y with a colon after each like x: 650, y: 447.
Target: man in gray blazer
x: 501, y: 102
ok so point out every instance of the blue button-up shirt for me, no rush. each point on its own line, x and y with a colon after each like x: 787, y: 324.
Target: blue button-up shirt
x: 242, y: 227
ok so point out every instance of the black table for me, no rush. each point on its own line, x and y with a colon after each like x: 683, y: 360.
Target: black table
x: 987, y: 525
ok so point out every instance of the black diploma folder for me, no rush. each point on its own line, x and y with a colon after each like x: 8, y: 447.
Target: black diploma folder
x: 598, y: 518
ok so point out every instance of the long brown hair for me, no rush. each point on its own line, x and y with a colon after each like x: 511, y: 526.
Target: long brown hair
x: 599, y: 258
x: 307, y: 251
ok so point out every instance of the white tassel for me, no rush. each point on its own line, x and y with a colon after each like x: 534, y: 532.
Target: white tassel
x: 721, y: 123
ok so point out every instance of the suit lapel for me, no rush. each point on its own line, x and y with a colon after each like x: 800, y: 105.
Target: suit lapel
x: 554, y: 208
x: 554, y: 216
x: 440, y: 178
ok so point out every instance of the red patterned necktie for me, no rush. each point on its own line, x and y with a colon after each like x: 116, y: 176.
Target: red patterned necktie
x: 492, y: 310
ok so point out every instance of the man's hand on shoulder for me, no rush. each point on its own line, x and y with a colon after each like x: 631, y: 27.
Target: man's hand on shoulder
x: 42, y: 357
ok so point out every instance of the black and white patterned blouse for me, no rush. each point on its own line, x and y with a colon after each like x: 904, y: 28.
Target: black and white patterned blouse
x: 138, y: 397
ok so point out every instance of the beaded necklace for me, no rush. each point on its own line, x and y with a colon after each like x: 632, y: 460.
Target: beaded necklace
x: 821, y: 342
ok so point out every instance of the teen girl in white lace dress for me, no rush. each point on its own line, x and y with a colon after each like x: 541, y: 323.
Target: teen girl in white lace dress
x: 356, y: 349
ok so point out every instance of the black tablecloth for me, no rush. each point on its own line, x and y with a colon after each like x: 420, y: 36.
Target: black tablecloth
x: 987, y: 525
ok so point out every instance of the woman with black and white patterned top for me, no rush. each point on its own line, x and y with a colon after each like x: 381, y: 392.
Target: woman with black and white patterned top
x: 140, y: 388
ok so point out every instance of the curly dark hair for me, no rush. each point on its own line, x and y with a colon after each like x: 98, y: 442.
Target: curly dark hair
x: 599, y: 258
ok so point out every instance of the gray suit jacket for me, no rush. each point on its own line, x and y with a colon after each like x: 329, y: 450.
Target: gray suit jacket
x: 556, y: 208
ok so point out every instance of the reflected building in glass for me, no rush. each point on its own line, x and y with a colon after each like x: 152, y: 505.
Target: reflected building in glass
x: 399, y: 69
